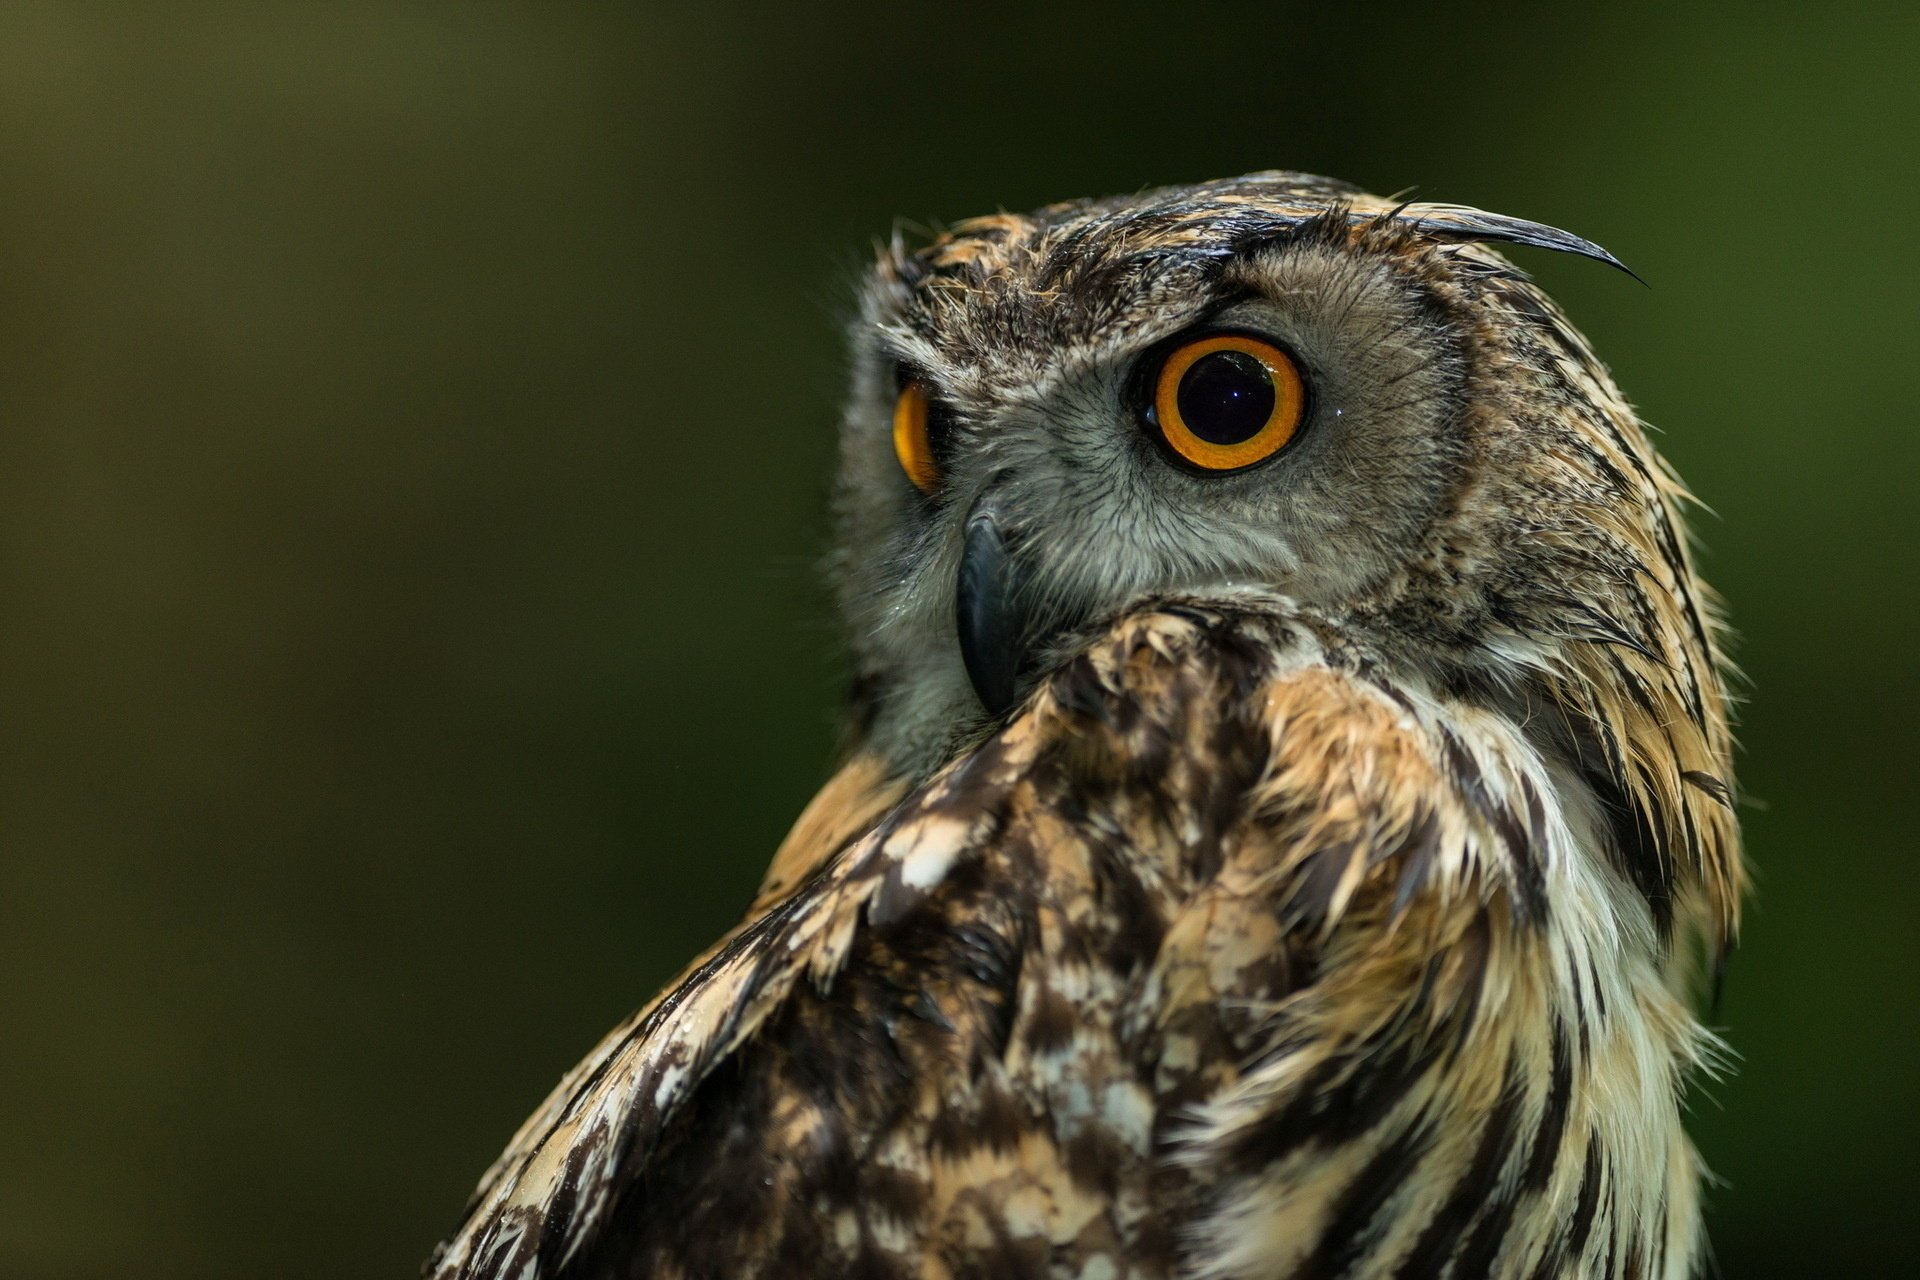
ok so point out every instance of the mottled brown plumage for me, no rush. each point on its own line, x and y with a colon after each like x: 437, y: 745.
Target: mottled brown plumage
x: 1324, y: 905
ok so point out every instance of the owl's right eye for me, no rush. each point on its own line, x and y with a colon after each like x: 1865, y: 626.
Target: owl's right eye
x: 1224, y: 402
x: 912, y: 442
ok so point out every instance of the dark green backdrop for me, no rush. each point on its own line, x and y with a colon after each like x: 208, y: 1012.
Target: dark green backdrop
x: 414, y: 434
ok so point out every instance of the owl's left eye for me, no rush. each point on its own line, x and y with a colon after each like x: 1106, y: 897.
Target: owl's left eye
x: 912, y: 441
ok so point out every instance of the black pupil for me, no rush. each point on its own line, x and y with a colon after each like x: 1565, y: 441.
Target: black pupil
x: 1225, y: 397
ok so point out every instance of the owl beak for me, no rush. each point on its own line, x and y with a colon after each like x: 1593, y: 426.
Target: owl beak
x: 990, y: 611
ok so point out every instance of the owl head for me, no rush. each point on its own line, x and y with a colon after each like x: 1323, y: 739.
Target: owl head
x: 1272, y: 385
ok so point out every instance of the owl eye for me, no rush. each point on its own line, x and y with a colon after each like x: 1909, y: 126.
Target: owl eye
x: 1227, y: 401
x: 911, y: 442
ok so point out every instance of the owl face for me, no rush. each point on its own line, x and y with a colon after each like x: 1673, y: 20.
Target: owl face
x: 1270, y: 384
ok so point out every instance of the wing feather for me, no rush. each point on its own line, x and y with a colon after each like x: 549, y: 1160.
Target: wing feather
x: 550, y: 1192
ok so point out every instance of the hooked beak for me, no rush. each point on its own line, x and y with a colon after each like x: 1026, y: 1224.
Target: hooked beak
x: 990, y: 610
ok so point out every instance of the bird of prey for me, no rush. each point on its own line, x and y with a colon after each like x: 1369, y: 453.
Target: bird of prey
x: 1289, y: 812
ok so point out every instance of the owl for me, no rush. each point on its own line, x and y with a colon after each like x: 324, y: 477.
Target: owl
x: 1288, y: 815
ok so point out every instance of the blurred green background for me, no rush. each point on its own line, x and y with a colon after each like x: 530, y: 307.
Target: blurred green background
x: 415, y: 427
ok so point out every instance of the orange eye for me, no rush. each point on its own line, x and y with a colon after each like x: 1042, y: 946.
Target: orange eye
x: 910, y: 441
x: 1227, y: 401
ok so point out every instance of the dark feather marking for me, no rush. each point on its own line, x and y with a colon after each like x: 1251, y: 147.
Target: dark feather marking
x: 1051, y: 1026
x: 1078, y: 690
x: 1342, y: 1098
x: 1713, y: 786
x: 1597, y: 627
x: 1565, y: 1251
x: 1553, y: 1116
x: 1241, y: 756
x: 1536, y: 816
x: 899, y: 1195
x: 1580, y: 1018
x: 986, y: 954
x: 1005, y: 1258
x: 1599, y: 992
x: 1344, y: 1243
x: 1476, y: 947
x: 697, y: 1178
x: 1489, y: 1236
x: 922, y: 1005
x: 1096, y: 1160
x: 1637, y: 689
x: 1689, y: 836
x: 1438, y: 1242
x: 1635, y: 838
x: 1417, y: 854
x: 558, y: 1222
x: 1138, y: 926
x: 1529, y: 876
x: 1310, y: 900
x: 1676, y: 558
x: 990, y: 1117
x: 1529, y: 850
x: 869, y: 1264
x: 510, y: 1247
